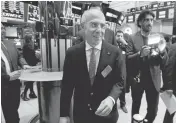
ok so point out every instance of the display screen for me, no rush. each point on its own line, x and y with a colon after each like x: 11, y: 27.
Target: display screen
x: 171, y: 13
x: 33, y: 13
x: 162, y: 14
x: 12, y: 10
x: 130, y: 19
x: 11, y: 32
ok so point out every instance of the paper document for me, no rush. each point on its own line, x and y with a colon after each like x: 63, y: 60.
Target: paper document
x: 170, y: 102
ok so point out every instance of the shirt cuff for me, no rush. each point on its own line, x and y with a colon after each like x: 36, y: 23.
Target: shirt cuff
x: 112, y: 99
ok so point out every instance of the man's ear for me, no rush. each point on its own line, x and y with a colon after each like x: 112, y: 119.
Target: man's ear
x: 140, y: 23
x: 83, y: 25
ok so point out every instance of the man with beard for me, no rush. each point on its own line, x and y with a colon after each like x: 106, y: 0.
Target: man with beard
x: 148, y: 67
x: 121, y: 44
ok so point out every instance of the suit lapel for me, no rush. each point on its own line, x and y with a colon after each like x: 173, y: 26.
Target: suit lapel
x: 84, y: 59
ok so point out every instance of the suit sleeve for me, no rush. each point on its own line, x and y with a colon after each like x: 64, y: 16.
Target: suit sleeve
x: 67, y: 85
x: 169, y: 68
x: 119, y: 77
x: 164, y: 58
x: 130, y: 51
x: 4, y: 76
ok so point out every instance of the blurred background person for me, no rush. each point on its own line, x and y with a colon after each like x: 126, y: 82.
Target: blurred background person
x: 30, y: 57
x: 10, y: 84
x: 169, y: 79
x: 121, y: 44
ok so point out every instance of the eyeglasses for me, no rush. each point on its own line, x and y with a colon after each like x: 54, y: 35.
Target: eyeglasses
x: 96, y: 25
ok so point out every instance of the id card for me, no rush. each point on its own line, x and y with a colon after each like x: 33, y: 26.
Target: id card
x: 106, y: 71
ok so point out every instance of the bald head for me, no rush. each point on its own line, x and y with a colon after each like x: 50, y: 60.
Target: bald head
x: 92, y: 14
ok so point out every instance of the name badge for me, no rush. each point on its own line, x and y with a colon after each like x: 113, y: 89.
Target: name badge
x: 106, y: 71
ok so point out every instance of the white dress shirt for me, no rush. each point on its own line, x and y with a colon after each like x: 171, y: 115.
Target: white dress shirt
x: 4, y: 58
x: 97, y: 54
x: 88, y: 49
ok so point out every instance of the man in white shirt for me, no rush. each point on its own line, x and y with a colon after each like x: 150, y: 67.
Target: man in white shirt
x: 94, y: 70
x: 10, y: 85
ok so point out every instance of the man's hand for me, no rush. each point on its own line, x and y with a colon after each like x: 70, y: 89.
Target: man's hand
x: 105, y: 107
x: 26, y: 67
x: 170, y: 92
x: 64, y: 120
x: 145, y: 51
x: 14, y: 75
x: 38, y: 54
x: 123, y: 41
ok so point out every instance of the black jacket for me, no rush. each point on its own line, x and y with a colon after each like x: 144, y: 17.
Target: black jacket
x: 29, y: 55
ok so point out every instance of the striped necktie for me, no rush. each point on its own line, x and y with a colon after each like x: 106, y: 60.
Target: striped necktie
x: 92, y: 66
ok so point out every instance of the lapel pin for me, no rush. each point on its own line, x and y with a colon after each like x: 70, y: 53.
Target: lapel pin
x: 108, y: 53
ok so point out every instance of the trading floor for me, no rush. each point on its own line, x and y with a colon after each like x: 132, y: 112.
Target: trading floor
x: 28, y: 109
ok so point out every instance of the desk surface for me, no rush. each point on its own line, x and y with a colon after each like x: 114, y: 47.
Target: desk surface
x: 32, y: 75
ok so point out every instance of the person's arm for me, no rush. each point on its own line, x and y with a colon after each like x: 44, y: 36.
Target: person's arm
x: 119, y: 77
x: 4, y: 76
x: 67, y: 85
x: 108, y: 103
x: 131, y: 55
x: 21, y: 60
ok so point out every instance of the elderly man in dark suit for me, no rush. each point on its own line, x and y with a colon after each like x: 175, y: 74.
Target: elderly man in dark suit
x: 94, y: 70
x: 169, y: 79
x: 10, y: 84
x: 147, y: 65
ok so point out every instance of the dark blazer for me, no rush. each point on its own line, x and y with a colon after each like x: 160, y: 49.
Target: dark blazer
x: 87, y: 98
x: 14, y: 58
x: 134, y: 45
x: 169, y: 74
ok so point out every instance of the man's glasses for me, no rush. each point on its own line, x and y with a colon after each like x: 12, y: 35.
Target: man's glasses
x: 96, y: 25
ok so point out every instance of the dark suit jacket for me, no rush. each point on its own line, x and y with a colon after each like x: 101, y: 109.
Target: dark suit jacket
x: 29, y: 55
x: 15, y: 60
x: 87, y: 98
x: 134, y: 45
x: 169, y: 74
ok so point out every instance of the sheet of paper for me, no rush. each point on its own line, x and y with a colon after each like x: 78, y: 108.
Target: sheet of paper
x: 170, y: 102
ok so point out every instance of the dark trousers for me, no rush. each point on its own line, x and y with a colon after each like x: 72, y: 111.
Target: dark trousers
x: 152, y: 97
x: 122, y: 98
x: 168, y: 118
x: 10, y: 101
x: 29, y: 85
x: 92, y: 118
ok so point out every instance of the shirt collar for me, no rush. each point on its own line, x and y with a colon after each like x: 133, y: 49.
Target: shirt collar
x: 88, y: 47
